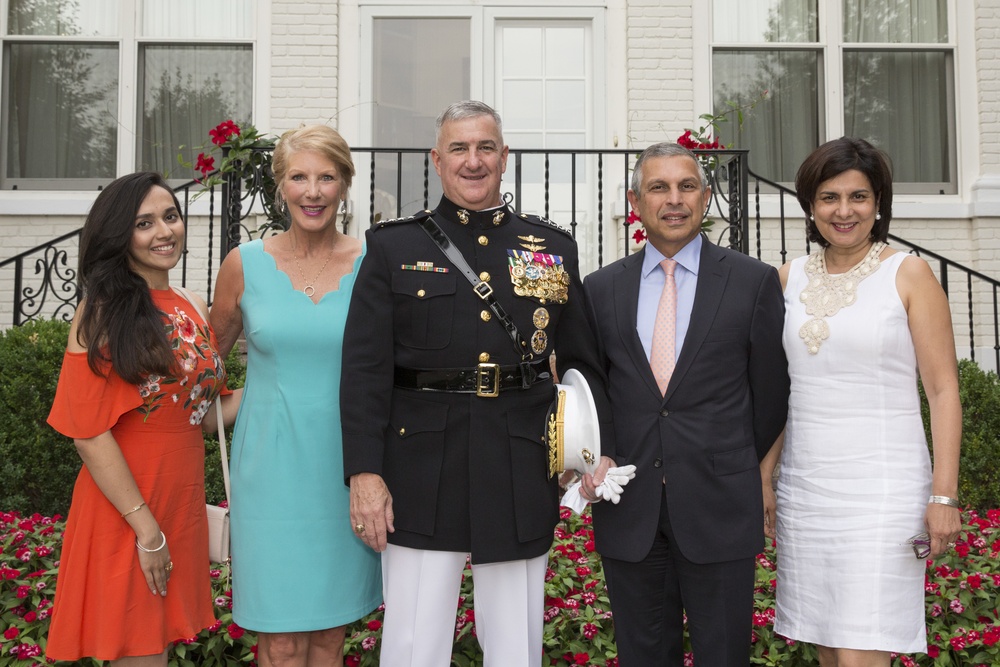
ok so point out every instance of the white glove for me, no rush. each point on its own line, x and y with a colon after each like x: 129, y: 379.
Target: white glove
x: 614, y: 482
x: 573, y: 499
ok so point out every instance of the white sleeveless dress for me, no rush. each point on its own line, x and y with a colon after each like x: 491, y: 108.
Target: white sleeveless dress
x: 855, y: 476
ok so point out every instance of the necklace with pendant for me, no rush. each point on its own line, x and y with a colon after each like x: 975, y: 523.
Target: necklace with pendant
x: 309, y: 289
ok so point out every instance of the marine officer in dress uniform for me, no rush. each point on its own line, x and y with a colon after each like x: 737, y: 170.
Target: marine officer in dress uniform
x: 445, y: 387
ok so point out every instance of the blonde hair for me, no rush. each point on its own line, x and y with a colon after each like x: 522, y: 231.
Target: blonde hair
x: 324, y: 140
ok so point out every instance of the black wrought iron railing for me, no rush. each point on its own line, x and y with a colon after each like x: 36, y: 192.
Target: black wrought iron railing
x: 583, y: 190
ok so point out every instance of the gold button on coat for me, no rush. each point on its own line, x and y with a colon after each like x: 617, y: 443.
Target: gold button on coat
x: 484, y: 276
x: 483, y: 240
x: 485, y: 315
x: 402, y: 431
x: 421, y: 293
x: 484, y: 357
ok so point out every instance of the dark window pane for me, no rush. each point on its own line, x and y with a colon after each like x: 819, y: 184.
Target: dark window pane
x: 61, y: 111
x: 896, y: 21
x: 782, y: 129
x: 186, y: 91
x: 901, y: 102
x: 90, y: 18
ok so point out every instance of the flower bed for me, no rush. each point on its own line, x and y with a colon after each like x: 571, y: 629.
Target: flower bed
x: 962, y: 589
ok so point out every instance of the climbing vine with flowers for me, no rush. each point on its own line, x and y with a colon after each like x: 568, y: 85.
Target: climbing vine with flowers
x: 962, y: 587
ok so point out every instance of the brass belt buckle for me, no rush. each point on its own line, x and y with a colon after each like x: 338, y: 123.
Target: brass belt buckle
x: 488, y: 380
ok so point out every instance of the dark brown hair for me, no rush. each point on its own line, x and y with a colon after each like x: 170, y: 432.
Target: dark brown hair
x: 119, y: 323
x: 834, y: 158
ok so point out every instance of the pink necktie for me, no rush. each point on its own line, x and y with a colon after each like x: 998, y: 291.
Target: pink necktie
x: 661, y: 358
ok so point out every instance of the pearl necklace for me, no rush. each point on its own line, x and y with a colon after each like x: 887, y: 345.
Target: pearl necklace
x: 309, y: 290
x: 826, y: 294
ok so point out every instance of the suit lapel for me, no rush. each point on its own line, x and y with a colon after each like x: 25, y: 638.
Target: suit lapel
x: 713, y: 274
x: 626, y: 294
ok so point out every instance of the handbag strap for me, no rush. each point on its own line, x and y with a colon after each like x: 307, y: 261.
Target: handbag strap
x: 481, y: 288
x: 223, y: 452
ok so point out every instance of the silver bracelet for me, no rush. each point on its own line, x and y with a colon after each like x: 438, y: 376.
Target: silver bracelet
x: 149, y: 551
x: 944, y: 500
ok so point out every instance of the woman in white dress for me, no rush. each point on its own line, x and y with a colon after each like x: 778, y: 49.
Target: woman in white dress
x: 856, y: 486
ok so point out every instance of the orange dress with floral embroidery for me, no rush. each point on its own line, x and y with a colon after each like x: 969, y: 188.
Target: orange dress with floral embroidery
x: 103, y: 606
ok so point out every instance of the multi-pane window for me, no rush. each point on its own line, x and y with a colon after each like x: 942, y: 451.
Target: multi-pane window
x: 81, y: 81
x: 883, y: 71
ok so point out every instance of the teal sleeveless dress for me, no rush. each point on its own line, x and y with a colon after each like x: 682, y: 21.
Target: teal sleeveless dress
x: 297, y: 565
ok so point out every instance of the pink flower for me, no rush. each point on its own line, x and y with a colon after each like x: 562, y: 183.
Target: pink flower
x: 215, y: 626
x: 590, y: 630
x: 368, y: 643
x: 958, y: 643
x: 956, y: 606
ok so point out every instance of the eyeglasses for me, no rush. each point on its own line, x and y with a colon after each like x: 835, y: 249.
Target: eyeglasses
x: 921, y: 545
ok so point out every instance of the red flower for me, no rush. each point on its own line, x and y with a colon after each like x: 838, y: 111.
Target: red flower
x: 582, y: 571
x: 11, y: 633
x: 352, y: 660
x: 639, y: 236
x: 30, y: 617
x: 962, y: 549
x: 580, y: 659
x: 204, y: 164
x: 975, y: 581
x: 23, y: 592
x: 632, y: 218
x: 590, y: 630
x: 223, y: 131
x: 235, y: 631
x: 374, y: 624
x: 933, y: 651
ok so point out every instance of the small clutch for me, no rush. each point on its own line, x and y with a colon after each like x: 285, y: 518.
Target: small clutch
x: 218, y: 533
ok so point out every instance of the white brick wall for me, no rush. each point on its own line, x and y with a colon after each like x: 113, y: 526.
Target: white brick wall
x: 988, y: 72
x: 304, y: 62
x: 660, y: 90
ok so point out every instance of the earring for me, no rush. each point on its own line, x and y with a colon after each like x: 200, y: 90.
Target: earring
x: 811, y: 217
x: 878, y: 216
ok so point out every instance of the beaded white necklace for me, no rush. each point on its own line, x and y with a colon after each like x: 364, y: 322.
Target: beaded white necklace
x: 826, y: 294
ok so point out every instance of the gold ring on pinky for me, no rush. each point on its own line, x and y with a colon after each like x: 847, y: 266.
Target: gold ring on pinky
x: 170, y: 566
x: 359, y: 529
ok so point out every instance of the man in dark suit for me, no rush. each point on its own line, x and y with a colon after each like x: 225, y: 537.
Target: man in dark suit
x: 684, y: 537
x: 443, y: 407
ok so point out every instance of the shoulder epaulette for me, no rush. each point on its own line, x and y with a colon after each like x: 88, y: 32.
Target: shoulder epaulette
x: 545, y: 222
x: 401, y: 221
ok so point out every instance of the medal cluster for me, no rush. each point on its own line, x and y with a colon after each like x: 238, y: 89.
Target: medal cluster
x: 539, y: 275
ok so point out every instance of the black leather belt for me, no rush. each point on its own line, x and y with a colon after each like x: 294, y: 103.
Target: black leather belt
x: 486, y: 380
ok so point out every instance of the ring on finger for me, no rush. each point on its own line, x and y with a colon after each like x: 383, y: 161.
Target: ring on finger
x: 169, y: 567
x: 359, y: 529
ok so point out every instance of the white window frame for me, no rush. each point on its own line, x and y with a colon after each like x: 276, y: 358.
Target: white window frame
x: 76, y: 200
x: 962, y: 41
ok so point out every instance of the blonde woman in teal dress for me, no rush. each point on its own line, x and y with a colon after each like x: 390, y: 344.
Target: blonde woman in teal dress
x: 299, y: 573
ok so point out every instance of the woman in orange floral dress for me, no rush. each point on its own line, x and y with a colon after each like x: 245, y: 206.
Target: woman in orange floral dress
x: 138, y: 378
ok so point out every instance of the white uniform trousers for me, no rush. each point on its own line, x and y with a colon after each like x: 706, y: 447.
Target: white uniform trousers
x: 421, y: 600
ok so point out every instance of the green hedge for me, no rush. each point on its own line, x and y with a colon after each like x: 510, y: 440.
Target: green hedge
x: 37, y: 465
x: 979, y: 475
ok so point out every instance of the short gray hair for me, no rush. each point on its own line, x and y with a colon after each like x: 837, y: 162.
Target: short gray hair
x: 463, y: 110
x: 664, y: 149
